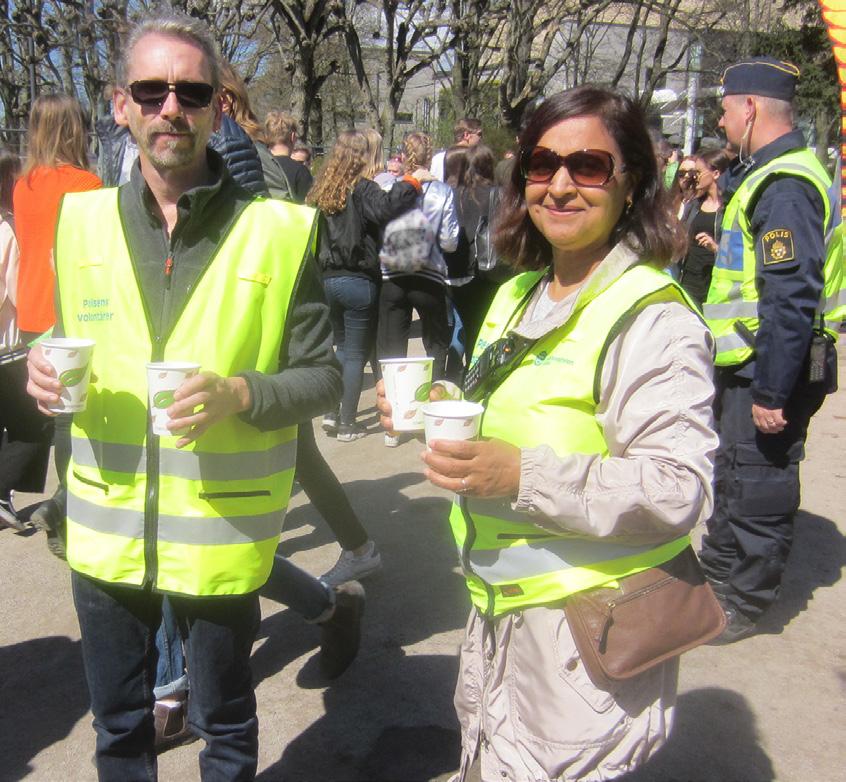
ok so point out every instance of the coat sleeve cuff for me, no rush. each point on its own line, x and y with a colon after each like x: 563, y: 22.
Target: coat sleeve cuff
x: 526, y: 492
x: 769, y: 399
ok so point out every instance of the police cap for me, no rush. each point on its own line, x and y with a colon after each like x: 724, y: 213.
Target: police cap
x: 764, y: 76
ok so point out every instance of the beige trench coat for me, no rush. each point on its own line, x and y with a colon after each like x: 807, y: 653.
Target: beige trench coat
x: 524, y: 701
x: 526, y: 705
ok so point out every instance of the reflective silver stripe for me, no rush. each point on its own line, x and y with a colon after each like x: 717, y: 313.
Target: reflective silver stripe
x: 113, y: 521
x: 219, y: 531
x: 829, y: 234
x: 214, y: 531
x: 786, y: 168
x: 243, y: 465
x: 730, y: 342
x: 108, y: 456
x: 730, y: 309
x: 190, y: 465
x: 831, y: 302
x: 549, y: 556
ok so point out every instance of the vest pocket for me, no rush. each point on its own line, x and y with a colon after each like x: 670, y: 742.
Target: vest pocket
x: 261, y: 279
x: 232, y: 495
x: 88, y: 482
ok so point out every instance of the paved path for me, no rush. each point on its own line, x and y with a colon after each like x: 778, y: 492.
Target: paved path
x: 771, y: 707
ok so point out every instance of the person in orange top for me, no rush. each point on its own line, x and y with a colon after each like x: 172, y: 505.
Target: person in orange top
x: 57, y: 163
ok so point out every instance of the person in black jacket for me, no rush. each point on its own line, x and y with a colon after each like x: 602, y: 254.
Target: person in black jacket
x: 353, y: 212
x: 701, y: 217
x: 473, y: 294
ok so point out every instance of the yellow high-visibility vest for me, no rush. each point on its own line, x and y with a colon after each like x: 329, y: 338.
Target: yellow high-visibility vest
x: 203, y: 520
x: 733, y: 295
x: 509, y: 561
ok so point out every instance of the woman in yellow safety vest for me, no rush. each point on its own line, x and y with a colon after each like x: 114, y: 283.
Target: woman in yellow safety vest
x: 596, y: 448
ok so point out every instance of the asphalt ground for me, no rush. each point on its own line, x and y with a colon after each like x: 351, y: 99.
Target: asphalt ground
x: 768, y: 708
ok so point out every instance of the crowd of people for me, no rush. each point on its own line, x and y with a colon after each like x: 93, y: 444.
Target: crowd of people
x: 596, y: 282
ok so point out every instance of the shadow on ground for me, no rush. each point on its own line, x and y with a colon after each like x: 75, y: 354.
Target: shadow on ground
x: 351, y: 742
x: 390, y: 717
x: 43, y: 695
x: 714, y: 739
x: 816, y: 560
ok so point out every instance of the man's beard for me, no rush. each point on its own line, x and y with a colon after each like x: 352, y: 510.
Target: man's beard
x: 173, y: 154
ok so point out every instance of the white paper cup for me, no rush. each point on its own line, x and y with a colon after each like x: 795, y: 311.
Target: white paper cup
x: 452, y: 420
x: 163, y: 378
x: 71, y: 358
x: 407, y: 384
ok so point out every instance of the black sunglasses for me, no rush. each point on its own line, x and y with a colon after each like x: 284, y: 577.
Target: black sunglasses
x: 694, y: 175
x: 587, y: 168
x: 154, y: 92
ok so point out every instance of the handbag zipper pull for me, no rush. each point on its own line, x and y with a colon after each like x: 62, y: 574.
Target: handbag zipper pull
x: 611, y: 605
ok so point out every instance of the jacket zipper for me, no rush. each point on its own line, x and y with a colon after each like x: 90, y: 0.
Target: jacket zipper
x: 151, y: 503
x: 159, y: 340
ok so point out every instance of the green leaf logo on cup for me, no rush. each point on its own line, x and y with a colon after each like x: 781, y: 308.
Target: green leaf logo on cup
x: 72, y: 377
x: 163, y: 399
x: 422, y: 392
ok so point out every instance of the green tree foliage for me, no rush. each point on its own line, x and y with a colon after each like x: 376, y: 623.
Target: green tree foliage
x: 808, y: 46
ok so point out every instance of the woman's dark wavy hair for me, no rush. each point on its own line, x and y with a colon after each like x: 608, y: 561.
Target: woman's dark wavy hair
x: 650, y: 227
x: 480, y: 166
x: 455, y: 166
x: 716, y: 158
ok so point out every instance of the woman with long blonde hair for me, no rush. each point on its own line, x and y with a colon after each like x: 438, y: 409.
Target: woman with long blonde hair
x: 57, y: 163
x: 353, y: 210
x: 374, y: 152
x: 423, y: 290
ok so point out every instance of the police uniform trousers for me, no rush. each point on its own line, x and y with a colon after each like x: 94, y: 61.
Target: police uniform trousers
x: 756, y: 493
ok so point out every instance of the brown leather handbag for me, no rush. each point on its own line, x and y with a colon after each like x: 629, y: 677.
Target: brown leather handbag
x: 651, y: 617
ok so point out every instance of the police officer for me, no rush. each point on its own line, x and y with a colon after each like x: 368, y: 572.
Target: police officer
x: 773, y: 303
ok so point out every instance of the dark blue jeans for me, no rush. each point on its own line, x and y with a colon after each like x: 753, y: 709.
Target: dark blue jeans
x: 118, y: 626
x: 287, y: 584
x: 353, y: 310
x: 171, y: 679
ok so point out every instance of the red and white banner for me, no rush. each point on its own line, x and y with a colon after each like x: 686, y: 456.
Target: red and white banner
x: 834, y: 13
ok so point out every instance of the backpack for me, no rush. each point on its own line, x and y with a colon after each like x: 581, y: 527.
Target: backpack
x: 408, y: 242
x: 483, y: 249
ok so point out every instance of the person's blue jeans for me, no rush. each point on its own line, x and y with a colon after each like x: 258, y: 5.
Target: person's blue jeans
x: 288, y: 585
x: 171, y: 679
x: 353, y: 310
x: 118, y: 624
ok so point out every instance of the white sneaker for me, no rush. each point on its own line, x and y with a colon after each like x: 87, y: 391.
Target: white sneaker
x: 392, y: 440
x: 350, y: 567
x: 8, y: 514
x: 330, y: 424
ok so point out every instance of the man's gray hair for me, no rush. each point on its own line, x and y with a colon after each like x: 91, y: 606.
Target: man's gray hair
x: 174, y: 25
x: 775, y: 108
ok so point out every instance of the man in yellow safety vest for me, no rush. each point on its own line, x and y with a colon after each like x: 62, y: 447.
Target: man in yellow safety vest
x: 774, y: 304
x: 182, y: 264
